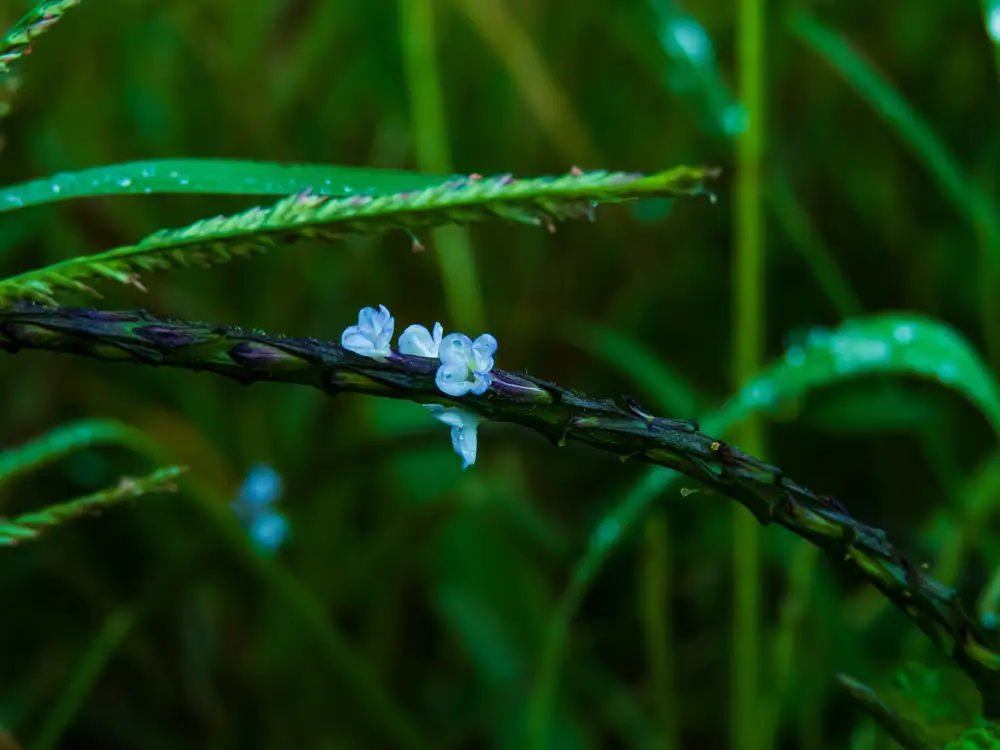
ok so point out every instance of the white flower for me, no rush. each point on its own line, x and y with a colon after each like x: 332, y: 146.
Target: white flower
x: 371, y: 336
x: 464, y: 425
x: 418, y: 341
x: 465, y: 365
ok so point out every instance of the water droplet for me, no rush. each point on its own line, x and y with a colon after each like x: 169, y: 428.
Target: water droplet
x: 734, y: 120
x: 147, y: 190
x: 125, y: 182
x: 795, y: 356
x: 817, y: 337
x: 608, y: 532
x: 183, y: 181
x: 904, y: 333
x: 685, y: 37
x: 993, y: 20
x: 56, y: 188
x: 947, y: 372
x: 760, y: 392
x: 13, y: 200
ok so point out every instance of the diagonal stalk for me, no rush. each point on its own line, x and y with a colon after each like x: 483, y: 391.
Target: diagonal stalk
x: 627, y: 431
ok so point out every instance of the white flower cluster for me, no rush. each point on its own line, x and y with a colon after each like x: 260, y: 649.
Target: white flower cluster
x: 465, y: 367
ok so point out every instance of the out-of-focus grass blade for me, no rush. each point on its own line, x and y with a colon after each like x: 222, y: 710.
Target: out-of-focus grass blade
x: 82, y: 678
x: 29, y: 526
x: 794, y: 219
x: 940, y: 162
x: 68, y: 438
x: 204, y: 176
x: 693, y: 72
x: 896, y: 345
x: 633, y: 360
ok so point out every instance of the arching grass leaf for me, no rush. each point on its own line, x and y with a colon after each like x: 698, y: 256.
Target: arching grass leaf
x: 212, y: 176
x: 66, y: 439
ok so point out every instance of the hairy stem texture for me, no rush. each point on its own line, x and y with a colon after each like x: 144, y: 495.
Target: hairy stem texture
x: 625, y: 430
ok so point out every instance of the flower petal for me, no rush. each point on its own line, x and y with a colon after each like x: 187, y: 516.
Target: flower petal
x: 367, y: 323
x: 456, y: 349
x: 453, y: 379
x: 417, y: 341
x: 354, y: 340
x: 382, y: 341
x: 485, y: 345
x: 465, y: 441
x: 464, y: 430
x: 438, y: 333
x: 481, y: 383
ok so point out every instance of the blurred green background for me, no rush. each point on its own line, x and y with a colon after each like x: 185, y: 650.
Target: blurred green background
x: 547, y: 597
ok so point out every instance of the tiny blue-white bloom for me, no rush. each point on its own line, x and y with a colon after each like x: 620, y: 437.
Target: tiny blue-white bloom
x: 464, y: 425
x: 419, y: 342
x: 262, y: 486
x: 269, y: 531
x: 465, y: 364
x: 254, y: 507
x: 371, y: 336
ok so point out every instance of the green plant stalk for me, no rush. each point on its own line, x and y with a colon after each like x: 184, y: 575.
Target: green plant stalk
x: 627, y: 431
x: 657, y: 629
x: 452, y: 245
x: 748, y: 333
x: 909, y: 735
x: 539, y: 201
x: 84, y: 674
x: 30, y: 526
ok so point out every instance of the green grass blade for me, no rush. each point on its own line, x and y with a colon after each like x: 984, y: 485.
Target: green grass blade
x: 749, y: 284
x: 540, y: 201
x: 888, y: 345
x: 905, y: 121
x: 66, y: 439
x: 82, y: 678
x: 30, y: 526
x: 942, y: 165
x: 212, y: 176
x: 17, y: 41
x: 798, y: 227
x: 452, y: 245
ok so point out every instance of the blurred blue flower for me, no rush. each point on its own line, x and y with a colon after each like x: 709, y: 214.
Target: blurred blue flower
x: 262, y: 486
x: 268, y: 528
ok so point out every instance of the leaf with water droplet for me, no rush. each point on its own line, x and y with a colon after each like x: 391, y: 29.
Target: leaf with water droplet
x: 213, y: 176
x: 892, y: 344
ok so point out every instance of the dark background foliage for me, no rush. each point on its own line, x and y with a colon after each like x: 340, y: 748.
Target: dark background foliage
x: 412, y: 601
